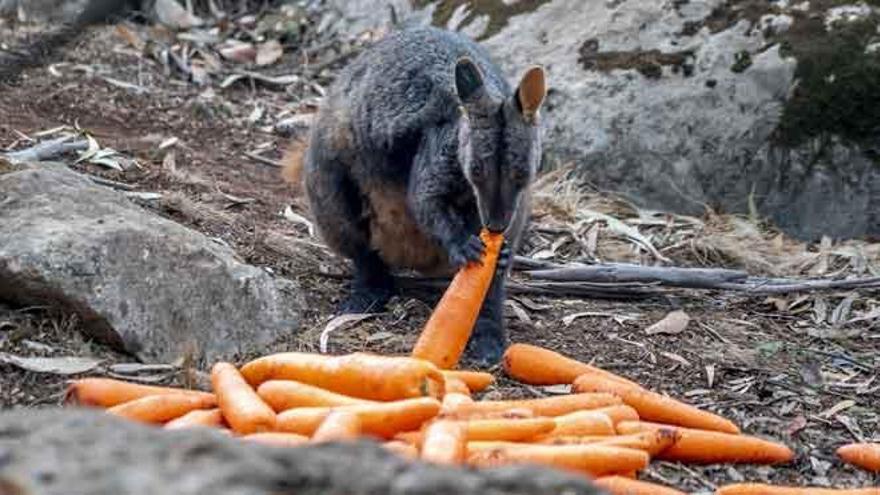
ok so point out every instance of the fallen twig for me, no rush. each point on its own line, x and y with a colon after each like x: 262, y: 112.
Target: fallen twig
x: 262, y: 159
x: 697, y: 278
x: 47, y: 150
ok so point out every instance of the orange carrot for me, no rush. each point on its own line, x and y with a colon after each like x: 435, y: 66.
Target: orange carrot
x: 762, y: 489
x: 711, y: 447
x: 402, y: 449
x: 863, y: 455
x: 161, y: 408
x: 621, y: 485
x: 509, y: 430
x: 410, y: 437
x: 210, y: 418
x: 582, y: 423
x: 361, y: 375
x: 338, y: 425
x: 453, y: 400
x: 593, y: 460
x: 382, y: 419
x: 652, y: 406
x: 538, y: 366
x: 466, y: 415
x: 456, y: 386
x: 444, y: 443
x: 277, y: 439
x: 287, y: 394
x: 106, y: 392
x: 243, y: 409
x: 476, y: 381
x: 652, y: 442
x: 448, y: 330
x: 548, y: 406
x: 618, y: 413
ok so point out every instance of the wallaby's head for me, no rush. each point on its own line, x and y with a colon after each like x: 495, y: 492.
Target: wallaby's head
x: 498, y: 140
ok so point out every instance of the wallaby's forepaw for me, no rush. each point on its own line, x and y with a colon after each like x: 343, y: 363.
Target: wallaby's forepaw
x: 362, y: 301
x: 471, y: 250
x: 487, y: 343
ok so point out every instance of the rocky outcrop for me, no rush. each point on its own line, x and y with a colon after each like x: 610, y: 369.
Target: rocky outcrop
x: 58, y: 452
x: 689, y: 104
x: 143, y: 283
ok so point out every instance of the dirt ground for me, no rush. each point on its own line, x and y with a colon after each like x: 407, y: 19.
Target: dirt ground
x: 781, y: 367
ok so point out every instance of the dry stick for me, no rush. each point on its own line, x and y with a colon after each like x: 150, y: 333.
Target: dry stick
x: 47, y: 150
x: 598, y: 291
x: 698, y: 278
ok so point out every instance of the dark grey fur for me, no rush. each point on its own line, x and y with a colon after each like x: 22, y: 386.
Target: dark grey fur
x: 419, y: 143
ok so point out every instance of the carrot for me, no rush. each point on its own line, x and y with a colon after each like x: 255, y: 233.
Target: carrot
x: 581, y: 423
x: 449, y: 328
x: 410, y: 437
x: 106, y: 392
x: 456, y: 386
x: 383, y: 419
x: 453, y: 400
x: 510, y: 430
x: 538, y: 366
x: 464, y: 415
x: 762, y: 489
x: 652, y: 442
x: 593, y: 460
x: 276, y: 439
x: 161, y: 408
x: 863, y: 455
x: 444, y: 443
x: 338, y: 425
x: 621, y: 485
x: 287, y: 394
x: 361, y: 375
x: 547, y: 406
x: 652, y: 406
x: 243, y: 409
x: 211, y: 418
x: 711, y: 447
x: 402, y: 449
x: 618, y: 413
x: 476, y: 381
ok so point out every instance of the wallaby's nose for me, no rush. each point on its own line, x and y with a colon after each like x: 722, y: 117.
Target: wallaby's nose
x: 496, y: 227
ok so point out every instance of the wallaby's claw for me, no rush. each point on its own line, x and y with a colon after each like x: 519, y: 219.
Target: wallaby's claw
x: 504, y: 259
x: 470, y: 251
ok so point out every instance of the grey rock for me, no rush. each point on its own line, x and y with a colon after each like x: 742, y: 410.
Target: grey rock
x: 69, y: 452
x: 674, y: 104
x: 141, y: 282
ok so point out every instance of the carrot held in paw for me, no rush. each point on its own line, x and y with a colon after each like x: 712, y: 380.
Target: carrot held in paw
x: 360, y: 375
x: 338, y: 425
x: 277, y: 439
x: 593, y: 460
x: 382, y: 419
x: 204, y: 418
x: 712, y: 447
x: 621, y: 485
x: 538, y: 366
x: 476, y: 381
x: 287, y: 394
x: 652, y: 406
x: 161, y: 408
x: 444, y: 443
x: 762, y: 489
x: 547, y: 406
x: 243, y: 409
x: 106, y: 392
x: 449, y: 328
x: 863, y: 455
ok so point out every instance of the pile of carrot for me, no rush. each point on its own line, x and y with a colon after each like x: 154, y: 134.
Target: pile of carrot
x: 608, y: 429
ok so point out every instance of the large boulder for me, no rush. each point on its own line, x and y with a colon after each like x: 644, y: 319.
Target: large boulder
x: 730, y: 104
x: 56, y: 452
x: 138, y: 281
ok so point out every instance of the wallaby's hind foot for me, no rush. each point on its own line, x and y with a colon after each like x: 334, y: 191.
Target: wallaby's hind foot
x: 487, y: 344
x: 371, y: 289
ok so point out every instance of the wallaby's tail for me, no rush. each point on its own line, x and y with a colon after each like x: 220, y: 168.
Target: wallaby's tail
x: 292, y: 165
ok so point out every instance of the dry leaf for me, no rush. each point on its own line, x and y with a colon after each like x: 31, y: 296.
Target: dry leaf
x: 519, y: 311
x: 269, y: 52
x: 237, y: 51
x: 676, y: 358
x: 837, y: 408
x: 347, y: 320
x: 673, y: 323
x: 710, y: 375
x: 69, y: 365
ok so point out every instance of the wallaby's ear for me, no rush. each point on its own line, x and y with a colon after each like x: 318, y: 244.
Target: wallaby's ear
x: 468, y: 80
x: 531, y: 92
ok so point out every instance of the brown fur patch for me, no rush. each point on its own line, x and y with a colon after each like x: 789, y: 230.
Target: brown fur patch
x: 396, y: 236
x: 292, y: 164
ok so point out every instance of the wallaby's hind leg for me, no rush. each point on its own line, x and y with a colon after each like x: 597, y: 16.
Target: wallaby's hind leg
x: 489, y: 338
x: 337, y: 209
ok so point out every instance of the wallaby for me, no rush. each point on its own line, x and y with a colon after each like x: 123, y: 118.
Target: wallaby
x: 418, y: 144
x: 39, y: 51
